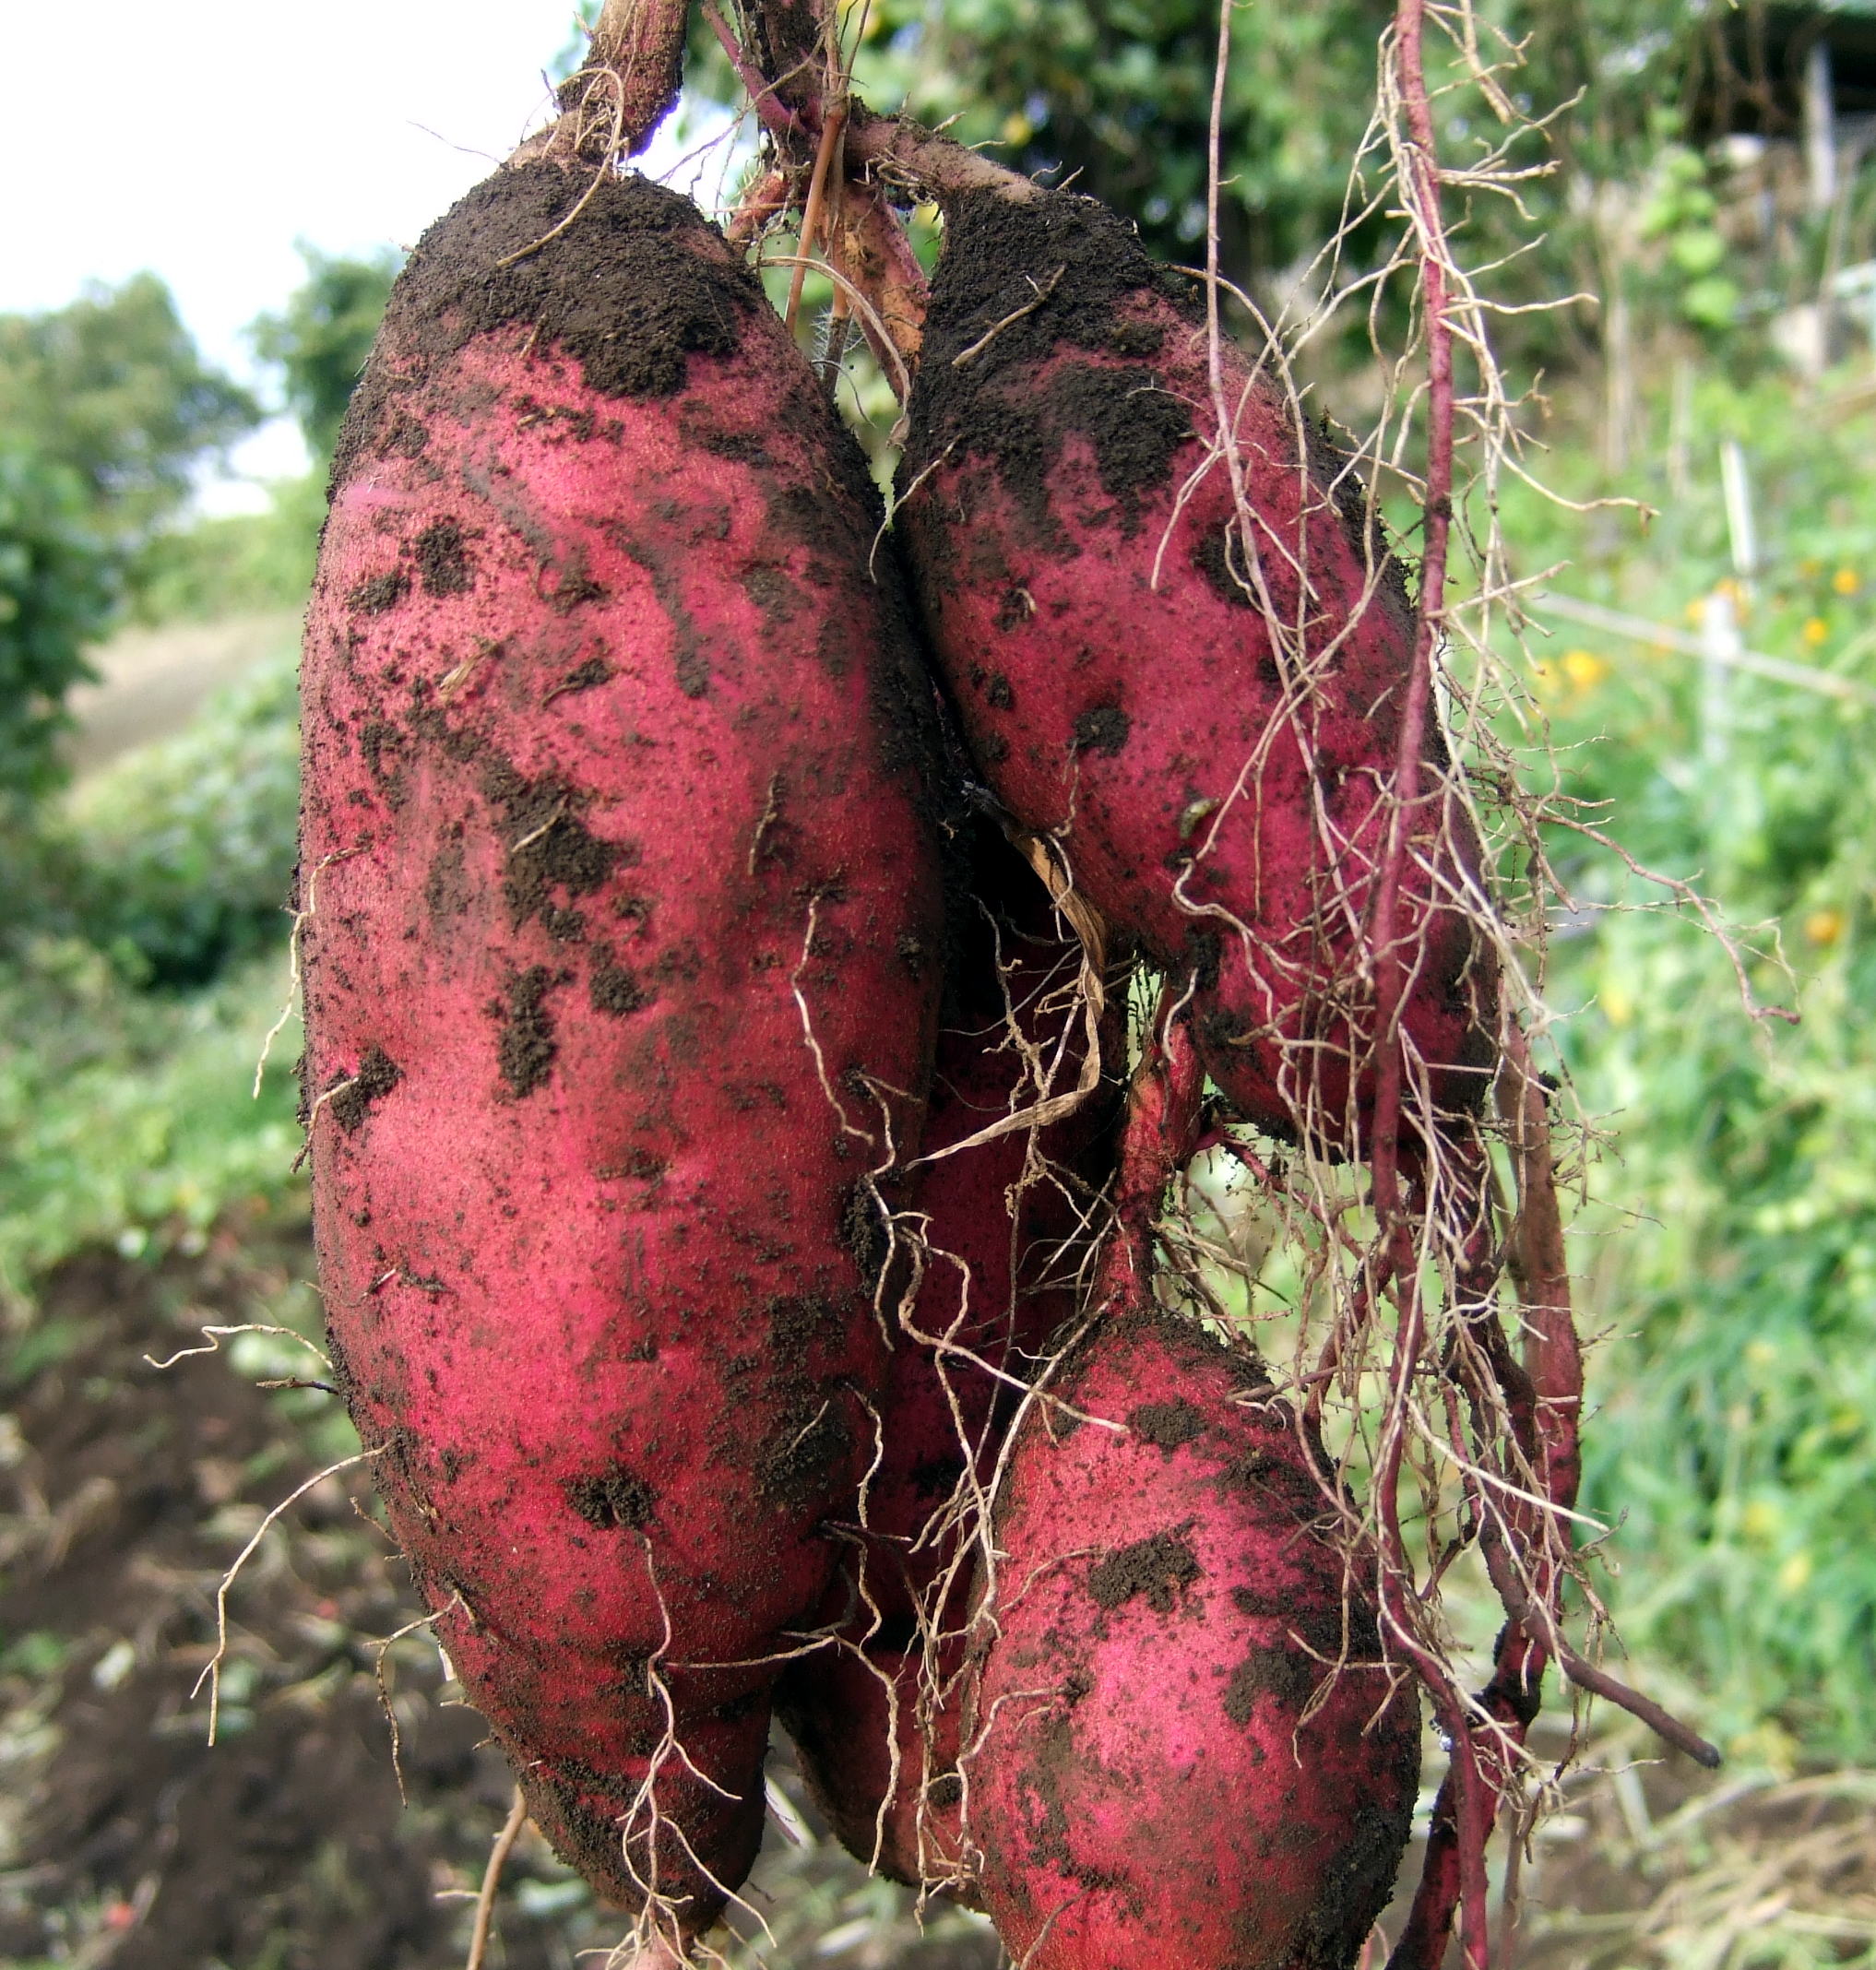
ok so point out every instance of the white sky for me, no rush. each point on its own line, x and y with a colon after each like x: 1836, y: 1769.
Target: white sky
x: 200, y: 139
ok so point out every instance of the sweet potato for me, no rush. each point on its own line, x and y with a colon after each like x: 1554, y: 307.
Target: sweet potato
x: 622, y: 940
x: 1181, y: 1747
x: 1010, y: 1225
x: 1080, y: 561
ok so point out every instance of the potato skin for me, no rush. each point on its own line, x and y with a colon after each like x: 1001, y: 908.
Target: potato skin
x: 614, y: 794
x: 1078, y: 567
x: 1011, y: 1228
x: 1180, y: 1746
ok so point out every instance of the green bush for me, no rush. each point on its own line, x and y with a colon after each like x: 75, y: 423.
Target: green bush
x: 321, y: 339
x: 127, y: 1113
x: 115, y: 388
x: 1729, y: 1256
x: 56, y: 594
x: 128, y: 1117
x: 187, y: 848
x: 237, y: 564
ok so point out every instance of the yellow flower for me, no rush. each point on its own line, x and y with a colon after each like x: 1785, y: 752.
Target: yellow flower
x: 1794, y: 1572
x: 1824, y: 927
x: 1815, y: 630
x: 1759, y: 1519
x: 1847, y: 581
x: 1696, y: 610
x: 1017, y: 128
x: 1760, y: 1354
x: 1616, y: 1003
x: 1584, y: 670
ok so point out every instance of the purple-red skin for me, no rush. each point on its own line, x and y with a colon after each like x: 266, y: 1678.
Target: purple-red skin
x: 613, y: 786
x: 847, y: 1707
x: 1181, y: 1747
x: 1117, y: 685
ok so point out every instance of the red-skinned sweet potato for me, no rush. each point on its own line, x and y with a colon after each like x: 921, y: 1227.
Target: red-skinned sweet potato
x: 1090, y: 600
x: 1011, y: 1225
x: 623, y: 942
x: 1181, y: 1747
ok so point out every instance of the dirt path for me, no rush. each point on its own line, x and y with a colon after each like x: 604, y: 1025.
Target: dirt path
x: 154, y: 681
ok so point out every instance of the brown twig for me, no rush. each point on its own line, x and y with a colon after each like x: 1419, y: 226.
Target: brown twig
x: 766, y: 199
x: 771, y: 112
x: 880, y: 262
x: 896, y: 147
x: 1390, y: 973
x: 1164, y: 1105
x: 491, y: 1880
x: 641, y: 43
x: 825, y: 154
x: 1553, y: 1357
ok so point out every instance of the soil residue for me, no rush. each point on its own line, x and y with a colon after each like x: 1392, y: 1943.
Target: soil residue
x: 582, y: 677
x: 377, y: 1074
x: 1355, y: 1885
x: 549, y: 849
x: 1001, y: 253
x: 1156, y: 1568
x: 1103, y: 729
x: 447, y: 891
x: 810, y: 1435
x: 614, y: 989
x: 441, y: 558
x: 1217, y: 558
x: 1169, y: 1425
x: 977, y: 396
x: 631, y: 286
x: 810, y: 1439
x: 526, y: 1049
x: 1135, y: 425
x: 614, y: 1499
x: 1288, y: 1674
x: 380, y: 592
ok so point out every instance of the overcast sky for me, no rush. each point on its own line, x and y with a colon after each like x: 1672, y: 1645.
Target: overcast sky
x: 200, y: 139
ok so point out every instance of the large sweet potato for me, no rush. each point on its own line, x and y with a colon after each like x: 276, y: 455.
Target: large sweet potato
x: 622, y: 943
x: 1182, y: 1747
x: 1010, y: 1227
x: 1080, y: 557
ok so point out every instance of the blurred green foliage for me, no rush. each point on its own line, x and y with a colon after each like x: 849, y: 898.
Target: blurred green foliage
x: 1116, y: 96
x: 113, y: 389
x: 56, y: 595
x: 126, y: 1111
x: 188, y: 847
x: 1729, y: 1255
x: 236, y: 563
x: 242, y: 562
x: 1683, y: 214
x: 127, y: 1117
x: 320, y: 339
